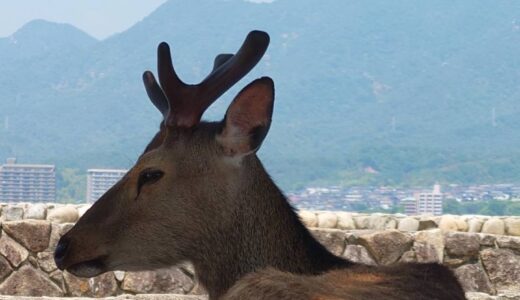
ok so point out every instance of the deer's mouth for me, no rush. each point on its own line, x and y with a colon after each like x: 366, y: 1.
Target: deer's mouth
x: 89, y: 268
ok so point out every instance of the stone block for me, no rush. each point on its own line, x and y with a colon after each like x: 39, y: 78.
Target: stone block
x: 448, y: 223
x: 36, y: 211
x: 429, y: 246
x: 12, y: 213
x: 171, y: 280
x: 327, y: 220
x: 345, y: 221
x: 103, y: 285
x: 308, y: 218
x: 32, y: 234
x: 513, y: 226
x: 473, y: 278
x: 462, y: 244
x: 386, y: 246
x: 408, y: 224
x: 494, y: 226
x: 28, y: 281
x: 358, y: 254
x: 63, y: 214
x: 503, y: 269
x: 333, y: 239
x: 14, y: 252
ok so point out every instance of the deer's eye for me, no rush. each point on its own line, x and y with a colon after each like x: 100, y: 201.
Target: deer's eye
x: 148, y: 177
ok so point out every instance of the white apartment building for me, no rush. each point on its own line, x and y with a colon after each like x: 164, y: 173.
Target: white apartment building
x: 27, y: 182
x: 430, y: 202
x: 100, y: 180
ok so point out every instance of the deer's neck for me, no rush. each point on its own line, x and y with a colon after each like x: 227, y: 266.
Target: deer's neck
x: 263, y: 231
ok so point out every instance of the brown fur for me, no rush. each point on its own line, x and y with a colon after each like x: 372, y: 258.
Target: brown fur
x: 215, y: 206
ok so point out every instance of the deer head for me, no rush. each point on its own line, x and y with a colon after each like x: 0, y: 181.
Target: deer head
x: 181, y: 189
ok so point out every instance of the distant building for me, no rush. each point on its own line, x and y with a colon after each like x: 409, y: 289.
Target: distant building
x: 410, y: 206
x: 27, y: 183
x: 430, y: 202
x: 100, y: 180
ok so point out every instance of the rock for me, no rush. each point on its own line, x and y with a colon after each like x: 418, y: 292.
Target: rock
x: 327, y: 220
x: 461, y: 225
x: 511, y: 242
x: 345, y: 221
x: 103, y: 285
x: 475, y: 225
x: 57, y: 230
x: 473, y: 279
x: 32, y: 234
x: 379, y: 222
x: 83, y: 208
x: 462, y: 244
x: 358, y: 254
x: 63, y: 214
x: 503, y: 269
x: 5, y: 268
x: 14, y: 252
x: 487, y: 239
x: 448, y: 223
x: 39, y: 285
x: 478, y: 296
x: 386, y: 246
x: 426, y: 223
x: 408, y: 224
x: 308, y: 218
x: 494, y: 226
x: 513, y: 226
x: 332, y: 239
x: 170, y: 280
x: 46, y: 261
x: 35, y: 211
x: 119, y: 275
x: 362, y: 222
x: 408, y: 257
x: 429, y: 246
x: 12, y: 213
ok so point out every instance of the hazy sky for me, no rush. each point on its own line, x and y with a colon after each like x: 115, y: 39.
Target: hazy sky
x: 99, y: 18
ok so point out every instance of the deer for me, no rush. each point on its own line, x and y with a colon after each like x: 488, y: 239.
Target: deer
x: 199, y: 193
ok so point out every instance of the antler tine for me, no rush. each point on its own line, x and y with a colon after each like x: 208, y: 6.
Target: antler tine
x: 155, y: 93
x: 187, y: 103
x: 236, y: 67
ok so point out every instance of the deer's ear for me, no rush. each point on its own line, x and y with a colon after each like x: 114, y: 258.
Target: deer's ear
x: 248, y: 118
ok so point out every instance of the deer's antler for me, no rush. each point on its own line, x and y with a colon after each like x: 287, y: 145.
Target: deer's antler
x: 183, y: 104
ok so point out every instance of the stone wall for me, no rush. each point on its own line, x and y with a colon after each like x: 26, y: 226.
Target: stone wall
x: 483, y: 262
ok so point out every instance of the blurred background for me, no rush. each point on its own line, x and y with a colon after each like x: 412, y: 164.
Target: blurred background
x: 376, y: 101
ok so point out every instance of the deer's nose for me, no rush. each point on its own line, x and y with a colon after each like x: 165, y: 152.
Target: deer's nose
x: 60, y: 252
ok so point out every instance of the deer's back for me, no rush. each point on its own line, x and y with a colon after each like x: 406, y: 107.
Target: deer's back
x: 407, y: 281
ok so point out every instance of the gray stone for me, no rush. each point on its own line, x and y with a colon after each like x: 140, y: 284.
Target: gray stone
x: 511, y: 242
x: 5, y: 268
x: 308, y: 218
x: 429, y: 246
x: 503, y: 269
x: 345, y: 221
x: 103, y: 285
x: 32, y: 234
x: 119, y: 275
x: 380, y: 222
x: 38, y: 285
x: 35, y: 211
x: 462, y: 244
x: 327, y: 220
x: 46, y: 261
x: 408, y: 257
x: 14, y: 252
x: 494, y: 226
x: 12, y: 213
x: 478, y: 296
x: 473, y: 279
x: 487, y: 239
x: 408, y: 224
x: 333, y: 239
x: 57, y: 230
x: 513, y: 226
x: 170, y: 280
x: 63, y: 214
x: 475, y: 225
x: 358, y: 254
x: 362, y: 222
x: 386, y: 246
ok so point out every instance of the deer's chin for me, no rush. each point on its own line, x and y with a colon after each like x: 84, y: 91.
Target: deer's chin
x: 89, y: 268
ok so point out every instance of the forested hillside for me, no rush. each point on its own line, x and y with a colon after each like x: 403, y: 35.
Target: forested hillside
x: 368, y: 92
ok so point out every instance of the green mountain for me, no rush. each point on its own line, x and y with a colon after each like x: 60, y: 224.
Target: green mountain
x: 368, y: 92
